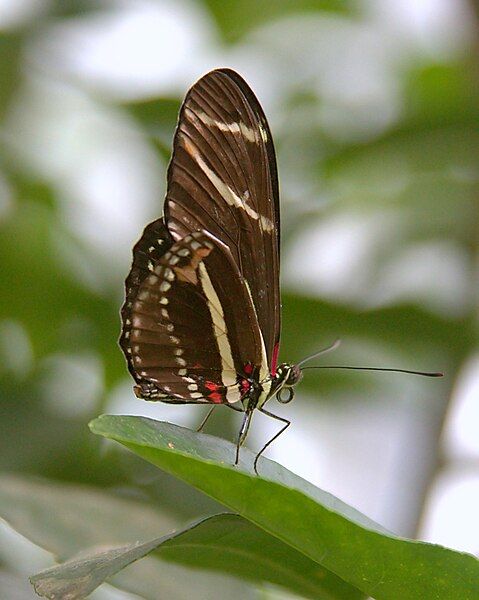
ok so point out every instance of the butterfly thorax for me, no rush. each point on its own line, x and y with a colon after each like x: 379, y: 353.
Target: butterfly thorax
x: 251, y: 397
x: 256, y: 393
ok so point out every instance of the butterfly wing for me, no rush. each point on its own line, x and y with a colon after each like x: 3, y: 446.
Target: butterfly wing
x: 222, y: 178
x: 187, y: 305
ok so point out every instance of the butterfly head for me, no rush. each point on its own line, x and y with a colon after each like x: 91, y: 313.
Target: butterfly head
x: 284, y: 380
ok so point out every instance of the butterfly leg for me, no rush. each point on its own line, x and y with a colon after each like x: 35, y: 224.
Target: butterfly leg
x: 205, y: 420
x: 287, y: 424
x: 243, y: 433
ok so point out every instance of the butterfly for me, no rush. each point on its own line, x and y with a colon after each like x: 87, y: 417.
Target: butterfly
x: 202, y: 314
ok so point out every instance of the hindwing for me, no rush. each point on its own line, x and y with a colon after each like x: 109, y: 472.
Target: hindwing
x: 189, y: 325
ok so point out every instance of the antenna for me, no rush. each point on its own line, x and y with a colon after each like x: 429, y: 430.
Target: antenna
x: 330, y: 348
x: 422, y: 373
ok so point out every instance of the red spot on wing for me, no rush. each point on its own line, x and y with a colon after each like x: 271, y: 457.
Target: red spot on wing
x: 211, y: 385
x: 245, y: 386
x: 274, y: 359
x: 215, y: 397
x: 248, y: 368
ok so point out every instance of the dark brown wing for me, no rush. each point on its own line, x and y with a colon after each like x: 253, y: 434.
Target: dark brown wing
x: 183, y: 316
x: 222, y: 178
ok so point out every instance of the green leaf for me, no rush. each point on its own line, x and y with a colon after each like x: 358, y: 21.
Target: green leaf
x: 441, y: 94
x: 77, y: 578
x: 10, y: 72
x: 67, y: 520
x: 235, y: 19
x: 158, y: 117
x: 31, y: 262
x: 234, y: 545
x: 310, y: 520
x: 225, y: 542
x: 406, y: 327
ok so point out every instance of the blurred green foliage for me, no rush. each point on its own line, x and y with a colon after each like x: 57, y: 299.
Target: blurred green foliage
x: 418, y: 171
x: 235, y: 20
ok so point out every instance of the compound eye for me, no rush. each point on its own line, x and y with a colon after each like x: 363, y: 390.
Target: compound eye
x: 295, y: 375
x: 285, y: 395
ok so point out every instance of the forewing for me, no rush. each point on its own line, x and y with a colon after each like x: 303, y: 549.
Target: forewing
x: 222, y: 178
x: 191, y: 328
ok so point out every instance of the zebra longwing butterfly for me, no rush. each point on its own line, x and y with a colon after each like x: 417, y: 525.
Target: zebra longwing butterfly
x: 202, y: 315
x: 201, y: 319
